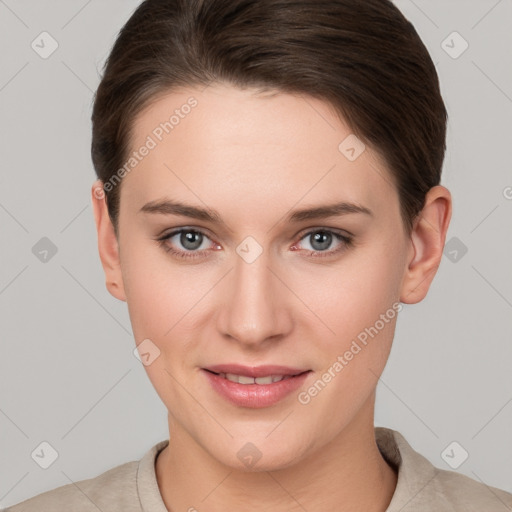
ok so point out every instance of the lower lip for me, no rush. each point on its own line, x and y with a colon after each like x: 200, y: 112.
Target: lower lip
x: 255, y: 395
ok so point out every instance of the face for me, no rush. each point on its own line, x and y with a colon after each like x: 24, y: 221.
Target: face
x: 260, y: 281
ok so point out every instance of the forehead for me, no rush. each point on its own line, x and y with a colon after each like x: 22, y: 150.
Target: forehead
x: 233, y: 143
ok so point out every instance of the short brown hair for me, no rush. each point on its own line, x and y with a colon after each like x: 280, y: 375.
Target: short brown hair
x: 361, y: 56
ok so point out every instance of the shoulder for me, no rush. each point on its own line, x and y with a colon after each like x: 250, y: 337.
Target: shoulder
x: 467, y: 494
x: 423, y: 487
x: 116, y: 486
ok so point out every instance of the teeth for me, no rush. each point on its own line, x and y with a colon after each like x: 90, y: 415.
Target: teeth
x: 243, y: 379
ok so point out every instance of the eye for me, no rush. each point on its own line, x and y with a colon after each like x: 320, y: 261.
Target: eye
x: 195, y: 245
x: 321, y: 240
x: 192, y: 240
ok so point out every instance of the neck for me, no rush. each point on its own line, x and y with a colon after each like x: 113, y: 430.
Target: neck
x: 348, y: 473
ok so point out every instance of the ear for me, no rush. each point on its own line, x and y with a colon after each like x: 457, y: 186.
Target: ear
x: 427, y: 244
x: 107, y: 243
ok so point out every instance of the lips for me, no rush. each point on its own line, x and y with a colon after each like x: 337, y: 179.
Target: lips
x: 255, y: 395
x: 255, y: 371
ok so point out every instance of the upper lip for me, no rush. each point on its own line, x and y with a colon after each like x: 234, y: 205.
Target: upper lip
x: 255, y: 371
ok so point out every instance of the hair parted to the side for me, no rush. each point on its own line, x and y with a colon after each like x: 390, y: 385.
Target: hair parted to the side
x: 361, y: 56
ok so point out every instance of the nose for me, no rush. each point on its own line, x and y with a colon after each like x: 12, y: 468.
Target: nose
x: 257, y: 305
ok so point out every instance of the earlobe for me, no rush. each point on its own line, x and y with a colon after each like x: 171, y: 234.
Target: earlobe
x: 427, y: 244
x: 108, y: 246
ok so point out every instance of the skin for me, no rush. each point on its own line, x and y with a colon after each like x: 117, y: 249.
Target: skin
x: 238, y: 152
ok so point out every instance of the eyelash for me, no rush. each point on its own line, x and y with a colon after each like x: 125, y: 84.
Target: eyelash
x: 347, y: 242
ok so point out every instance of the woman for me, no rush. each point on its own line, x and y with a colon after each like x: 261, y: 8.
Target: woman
x: 268, y: 196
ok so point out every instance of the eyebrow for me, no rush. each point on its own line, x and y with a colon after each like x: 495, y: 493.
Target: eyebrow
x: 169, y: 207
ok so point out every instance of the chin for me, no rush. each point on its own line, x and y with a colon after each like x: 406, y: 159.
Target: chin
x: 260, y: 456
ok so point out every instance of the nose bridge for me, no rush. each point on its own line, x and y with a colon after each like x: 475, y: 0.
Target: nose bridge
x: 255, y: 309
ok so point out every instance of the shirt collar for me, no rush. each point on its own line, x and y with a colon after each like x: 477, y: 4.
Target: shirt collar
x: 147, y: 484
x: 415, y: 473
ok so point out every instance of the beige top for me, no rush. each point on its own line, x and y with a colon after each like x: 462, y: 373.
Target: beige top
x: 421, y: 487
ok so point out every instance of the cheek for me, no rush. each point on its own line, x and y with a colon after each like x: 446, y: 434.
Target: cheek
x: 167, y: 304
x: 160, y: 299
x: 357, y: 291
x: 156, y: 291
x: 359, y: 302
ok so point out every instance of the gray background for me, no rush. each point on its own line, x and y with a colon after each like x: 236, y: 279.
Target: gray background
x: 67, y: 372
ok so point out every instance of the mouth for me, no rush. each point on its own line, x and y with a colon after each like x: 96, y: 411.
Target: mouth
x: 255, y: 387
x: 263, y: 380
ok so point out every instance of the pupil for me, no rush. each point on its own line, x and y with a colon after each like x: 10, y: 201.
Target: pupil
x: 324, y: 240
x: 187, y: 240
